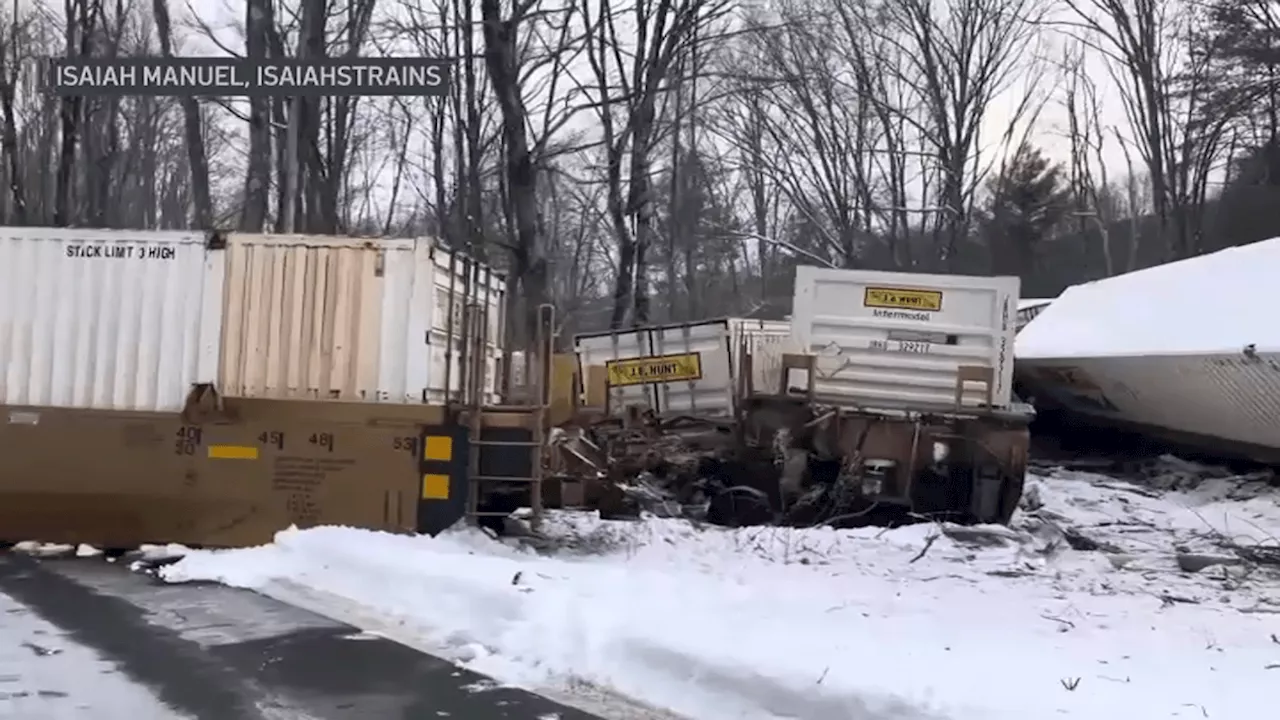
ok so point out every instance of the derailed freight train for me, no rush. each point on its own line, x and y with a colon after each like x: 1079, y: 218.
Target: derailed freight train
x: 213, y: 389
x: 886, y: 394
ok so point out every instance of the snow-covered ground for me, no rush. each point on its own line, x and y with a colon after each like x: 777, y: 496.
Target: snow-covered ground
x: 45, y: 675
x: 1080, y: 610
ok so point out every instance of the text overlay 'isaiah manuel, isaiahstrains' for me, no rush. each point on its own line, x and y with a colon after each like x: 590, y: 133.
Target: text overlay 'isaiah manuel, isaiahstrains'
x: 231, y: 77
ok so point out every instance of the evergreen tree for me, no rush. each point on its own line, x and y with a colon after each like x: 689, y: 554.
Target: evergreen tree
x: 1243, y: 37
x: 1027, y: 203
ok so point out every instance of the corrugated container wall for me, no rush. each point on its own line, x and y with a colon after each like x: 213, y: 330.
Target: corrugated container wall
x: 488, y: 289
x: 766, y: 341
x: 898, y: 340
x: 318, y: 317
x: 107, y: 319
x: 1203, y: 399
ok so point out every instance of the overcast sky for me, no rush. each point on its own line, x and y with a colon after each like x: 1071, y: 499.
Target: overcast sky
x: 1050, y: 123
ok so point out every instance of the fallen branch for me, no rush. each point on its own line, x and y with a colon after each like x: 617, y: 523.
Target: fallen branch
x: 1063, y: 621
x: 928, y: 543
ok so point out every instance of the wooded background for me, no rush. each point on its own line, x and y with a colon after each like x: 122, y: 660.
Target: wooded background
x: 639, y: 161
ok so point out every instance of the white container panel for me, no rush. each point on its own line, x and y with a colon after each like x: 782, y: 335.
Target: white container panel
x: 896, y: 340
x: 746, y: 330
x: 766, y: 361
x: 325, y: 318
x: 436, y: 392
x: 467, y: 283
x: 710, y: 393
x: 1229, y: 397
x: 439, y: 362
x: 599, y: 349
x: 439, y: 377
x: 766, y: 341
x: 107, y: 319
x: 518, y: 379
x: 713, y: 393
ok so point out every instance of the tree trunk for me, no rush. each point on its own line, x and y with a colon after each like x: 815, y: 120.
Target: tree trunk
x: 501, y: 59
x: 257, y: 180
x: 191, y: 125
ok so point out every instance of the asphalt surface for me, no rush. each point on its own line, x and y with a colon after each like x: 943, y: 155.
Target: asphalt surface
x: 216, y: 653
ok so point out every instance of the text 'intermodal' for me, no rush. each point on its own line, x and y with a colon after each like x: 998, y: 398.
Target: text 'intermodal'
x: 215, y: 77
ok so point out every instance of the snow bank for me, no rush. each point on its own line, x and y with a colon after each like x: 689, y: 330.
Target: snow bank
x: 910, y: 624
x: 1216, y: 303
x: 43, y: 549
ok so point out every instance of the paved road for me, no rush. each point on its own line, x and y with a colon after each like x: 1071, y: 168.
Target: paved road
x: 209, y: 652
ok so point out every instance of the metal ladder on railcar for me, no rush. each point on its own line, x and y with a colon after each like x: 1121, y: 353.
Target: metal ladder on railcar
x: 530, y: 436
x: 484, y: 475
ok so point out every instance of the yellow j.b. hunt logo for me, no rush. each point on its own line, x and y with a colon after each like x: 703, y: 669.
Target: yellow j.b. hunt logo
x: 902, y: 299
x: 647, y: 370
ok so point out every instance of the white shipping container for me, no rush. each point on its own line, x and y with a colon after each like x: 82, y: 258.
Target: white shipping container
x: 107, y: 319
x: 319, y: 317
x: 896, y: 340
x: 130, y: 320
x: 316, y: 318
x: 695, y: 354
x: 1189, y: 350
x: 717, y: 343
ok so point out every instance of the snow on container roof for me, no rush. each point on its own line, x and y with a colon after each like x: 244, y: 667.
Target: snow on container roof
x: 1213, y: 303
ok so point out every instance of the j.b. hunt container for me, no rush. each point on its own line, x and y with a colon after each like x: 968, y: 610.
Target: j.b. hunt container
x: 684, y: 367
x: 131, y: 320
x: 898, y: 340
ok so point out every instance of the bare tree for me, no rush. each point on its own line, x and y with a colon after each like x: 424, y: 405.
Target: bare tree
x: 961, y: 57
x: 257, y: 176
x: 192, y: 127
x: 502, y: 57
x: 1087, y: 168
x: 1147, y: 48
x: 13, y: 28
x: 817, y: 138
x: 80, y: 18
x: 632, y: 52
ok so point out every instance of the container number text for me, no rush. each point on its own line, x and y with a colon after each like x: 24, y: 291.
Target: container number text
x: 187, y: 440
x: 322, y: 440
x: 407, y: 444
x: 272, y: 437
x: 902, y: 346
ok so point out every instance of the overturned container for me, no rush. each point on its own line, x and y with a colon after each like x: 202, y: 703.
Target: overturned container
x: 1186, y: 354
